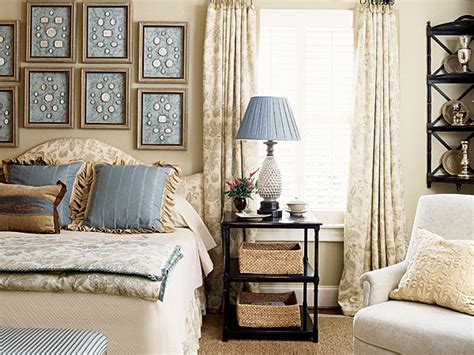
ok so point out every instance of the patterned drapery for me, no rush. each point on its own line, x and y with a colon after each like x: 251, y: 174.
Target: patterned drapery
x: 375, y: 231
x: 230, y: 57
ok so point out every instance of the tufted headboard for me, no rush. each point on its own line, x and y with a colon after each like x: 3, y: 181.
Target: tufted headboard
x: 66, y: 150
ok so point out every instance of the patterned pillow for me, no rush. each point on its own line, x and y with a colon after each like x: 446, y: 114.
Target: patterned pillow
x: 29, y: 208
x: 133, y: 198
x: 40, y: 175
x: 440, y: 272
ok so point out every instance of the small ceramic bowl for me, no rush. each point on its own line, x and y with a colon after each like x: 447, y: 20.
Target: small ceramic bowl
x: 296, y: 205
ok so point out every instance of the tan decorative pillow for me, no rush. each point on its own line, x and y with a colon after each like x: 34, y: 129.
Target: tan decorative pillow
x: 441, y: 272
x: 32, y: 209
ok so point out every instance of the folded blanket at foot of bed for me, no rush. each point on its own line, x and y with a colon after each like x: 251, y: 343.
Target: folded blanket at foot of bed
x: 136, y: 266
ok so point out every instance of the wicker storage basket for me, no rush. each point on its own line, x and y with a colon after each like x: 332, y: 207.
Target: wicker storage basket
x: 258, y: 310
x: 271, y: 258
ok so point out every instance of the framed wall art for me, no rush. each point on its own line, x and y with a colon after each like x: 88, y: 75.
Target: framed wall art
x: 162, y: 119
x: 51, y: 32
x: 9, y: 48
x: 163, y: 52
x: 8, y: 116
x: 48, y: 98
x: 105, y: 98
x: 107, y: 32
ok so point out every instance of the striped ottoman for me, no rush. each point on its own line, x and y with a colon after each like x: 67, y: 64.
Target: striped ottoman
x: 51, y: 341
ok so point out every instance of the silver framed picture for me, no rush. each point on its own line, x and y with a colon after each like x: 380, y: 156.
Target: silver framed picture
x: 9, y: 49
x: 48, y: 98
x: 163, y: 52
x: 107, y: 33
x: 105, y: 98
x: 51, y: 32
x: 8, y: 116
x: 162, y: 119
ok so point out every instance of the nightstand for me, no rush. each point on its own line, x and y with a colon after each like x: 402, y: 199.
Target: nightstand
x: 309, y: 328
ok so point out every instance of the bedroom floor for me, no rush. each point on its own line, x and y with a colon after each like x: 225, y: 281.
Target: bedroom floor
x: 335, y: 337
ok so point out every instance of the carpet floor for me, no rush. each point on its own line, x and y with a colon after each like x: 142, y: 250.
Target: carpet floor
x: 335, y: 337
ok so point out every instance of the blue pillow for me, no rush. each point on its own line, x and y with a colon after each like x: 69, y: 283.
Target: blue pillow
x: 42, y: 175
x: 132, y: 198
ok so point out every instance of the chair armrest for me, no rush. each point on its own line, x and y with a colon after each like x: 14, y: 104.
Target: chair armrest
x: 376, y: 285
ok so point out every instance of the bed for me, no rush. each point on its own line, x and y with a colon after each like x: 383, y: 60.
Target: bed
x: 131, y: 324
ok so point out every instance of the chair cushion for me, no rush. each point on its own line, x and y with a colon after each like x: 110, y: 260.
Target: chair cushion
x: 415, y: 328
x: 52, y: 341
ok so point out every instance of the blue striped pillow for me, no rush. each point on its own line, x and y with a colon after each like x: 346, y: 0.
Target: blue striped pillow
x: 132, y: 198
x: 41, y: 175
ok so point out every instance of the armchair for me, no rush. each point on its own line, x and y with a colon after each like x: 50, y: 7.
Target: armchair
x: 386, y: 326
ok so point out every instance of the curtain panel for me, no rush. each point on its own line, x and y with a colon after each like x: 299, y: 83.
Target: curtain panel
x: 230, y: 58
x: 375, y: 231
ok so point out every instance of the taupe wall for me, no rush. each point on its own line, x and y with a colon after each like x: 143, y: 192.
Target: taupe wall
x: 193, y: 11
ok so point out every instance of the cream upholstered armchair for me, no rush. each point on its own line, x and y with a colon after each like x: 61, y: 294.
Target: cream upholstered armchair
x: 386, y: 326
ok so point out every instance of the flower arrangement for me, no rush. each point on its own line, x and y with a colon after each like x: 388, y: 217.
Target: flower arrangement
x: 242, y: 187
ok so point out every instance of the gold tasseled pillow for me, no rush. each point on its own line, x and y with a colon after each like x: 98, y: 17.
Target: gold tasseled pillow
x: 440, y: 272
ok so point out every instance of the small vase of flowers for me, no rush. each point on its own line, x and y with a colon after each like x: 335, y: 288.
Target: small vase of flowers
x: 240, y: 189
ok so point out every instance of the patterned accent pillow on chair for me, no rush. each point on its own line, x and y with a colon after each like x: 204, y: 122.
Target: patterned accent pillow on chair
x: 41, y: 175
x: 131, y: 198
x: 440, y: 272
x: 29, y: 208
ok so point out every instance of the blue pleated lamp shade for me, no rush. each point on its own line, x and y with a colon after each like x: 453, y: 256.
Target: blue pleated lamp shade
x: 268, y: 118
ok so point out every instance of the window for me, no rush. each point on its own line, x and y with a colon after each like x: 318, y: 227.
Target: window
x: 307, y: 56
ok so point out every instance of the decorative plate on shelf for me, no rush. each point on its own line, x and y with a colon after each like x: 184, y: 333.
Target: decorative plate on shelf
x: 451, y: 64
x: 451, y: 161
x: 252, y: 217
x: 447, y: 111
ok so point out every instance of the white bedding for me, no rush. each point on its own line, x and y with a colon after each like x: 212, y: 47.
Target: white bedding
x: 132, y: 325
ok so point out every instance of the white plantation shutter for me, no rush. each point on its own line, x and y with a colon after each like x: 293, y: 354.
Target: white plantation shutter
x: 307, y: 56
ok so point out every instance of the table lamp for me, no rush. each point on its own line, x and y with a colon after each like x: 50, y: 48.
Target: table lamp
x: 270, y: 119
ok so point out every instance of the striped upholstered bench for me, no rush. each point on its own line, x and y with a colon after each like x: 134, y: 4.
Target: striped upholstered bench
x: 29, y: 341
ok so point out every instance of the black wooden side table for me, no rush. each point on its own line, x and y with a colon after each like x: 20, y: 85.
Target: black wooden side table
x: 308, y: 329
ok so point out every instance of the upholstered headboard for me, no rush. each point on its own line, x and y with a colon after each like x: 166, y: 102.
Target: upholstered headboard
x: 66, y: 150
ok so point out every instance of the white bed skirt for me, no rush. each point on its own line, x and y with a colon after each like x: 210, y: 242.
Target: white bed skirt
x: 131, y: 325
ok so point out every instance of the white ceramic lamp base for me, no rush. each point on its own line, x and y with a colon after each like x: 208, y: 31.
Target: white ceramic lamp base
x: 270, y: 184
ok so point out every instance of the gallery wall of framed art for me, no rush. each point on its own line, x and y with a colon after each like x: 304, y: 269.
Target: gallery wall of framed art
x: 83, y: 67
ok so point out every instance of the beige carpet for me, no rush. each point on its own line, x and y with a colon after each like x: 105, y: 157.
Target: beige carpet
x: 335, y: 337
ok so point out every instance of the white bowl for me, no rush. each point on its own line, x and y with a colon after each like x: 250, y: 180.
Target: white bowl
x: 297, y: 206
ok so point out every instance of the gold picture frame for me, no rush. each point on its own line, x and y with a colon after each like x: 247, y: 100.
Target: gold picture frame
x: 158, y: 110
x: 53, y: 32
x: 182, y: 52
x: 49, y: 97
x: 113, y: 92
x: 86, y: 57
x: 15, y: 42
x: 14, y: 116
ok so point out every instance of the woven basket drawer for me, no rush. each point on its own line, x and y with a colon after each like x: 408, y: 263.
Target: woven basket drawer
x: 257, y: 310
x: 271, y: 258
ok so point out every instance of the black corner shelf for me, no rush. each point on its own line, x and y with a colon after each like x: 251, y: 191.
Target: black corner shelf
x: 436, y: 128
x: 467, y: 128
x: 461, y: 26
x: 450, y: 179
x: 462, y: 78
